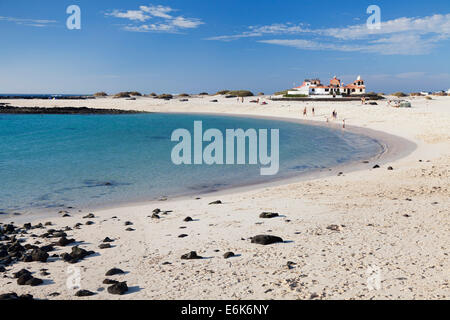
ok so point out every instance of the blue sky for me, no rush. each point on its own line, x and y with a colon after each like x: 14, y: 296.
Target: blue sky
x: 208, y: 45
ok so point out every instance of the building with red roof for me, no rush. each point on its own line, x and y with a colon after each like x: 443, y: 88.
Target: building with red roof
x: 313, y: 87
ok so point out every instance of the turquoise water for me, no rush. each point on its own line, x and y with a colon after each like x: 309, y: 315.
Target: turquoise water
x: 55, y: 161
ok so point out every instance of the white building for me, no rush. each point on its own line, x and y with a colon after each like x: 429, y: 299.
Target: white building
x: 314, y: 87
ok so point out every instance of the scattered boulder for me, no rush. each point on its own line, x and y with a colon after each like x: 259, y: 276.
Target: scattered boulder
x: 188, y: 219
x: 376, y: 166
x: 390, y: 168
x: 128, y: 223
x: 107, y: 239
x: 114, y: 271
x: 129, y: 229
x: 182, y: 236
x: 104, y: 246
x: 14, y: 296
x: 39, y: 255
x: 76, y: 255
x: 216, y: 202
x: 119, y: 288
x: 54, y: 294
x: 21, y: 273
x: 110, y: 281
x: 268, y: 215
x: 155, y: 216
x: 228, y: 255
x: 84, y: 293
x: 63, y: 241
x: 334, y: 227
x: 266, y: 239
x: 191, y: 256
x: 290, y: 265
x: 29, y: 280
x: 89, y: 216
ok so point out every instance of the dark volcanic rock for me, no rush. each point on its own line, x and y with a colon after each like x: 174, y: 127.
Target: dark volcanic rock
x: 110, y: 281
x: 182, y: 236
x: 266, y: 239
x: 216, y: 202
x: 76, y: 255
x: 84, y: 293
x: 228, y: 255
x: 14, y: 296
x: 268, y: 215
x: 191, y: 256
x: 104, y: 246
x: 129, y: 229
x: 29, y: 280
x: 34, y: 282
x: 22, y: 280
x: 114, y: 271
x: 89, y: 216
x: 128, y: 223
x: 188, y: 219
x: 20, y: 273
x: 334, y: 227
x: 39, y: 255
x: 63, y: 241
x: 47, y: 248
x: 376, y: 166
x: 108, y: 240
x: 118, y: 288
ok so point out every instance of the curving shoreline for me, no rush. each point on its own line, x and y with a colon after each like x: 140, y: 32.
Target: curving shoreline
x: 334, y: 227
x: 393, y: 147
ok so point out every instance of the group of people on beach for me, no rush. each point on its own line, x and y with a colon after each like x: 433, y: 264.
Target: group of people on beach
x: 257, y: 101
x: 305, y: 111
x: 334, y: 115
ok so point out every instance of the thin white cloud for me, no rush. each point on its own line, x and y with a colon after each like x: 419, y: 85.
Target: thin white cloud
x: 437, y: 24
x: 158, y: 11
x: 403, y: 36
x: 259, y: 31
x: 162, y: 19
x: 29, y: 22
x: 130, y: 14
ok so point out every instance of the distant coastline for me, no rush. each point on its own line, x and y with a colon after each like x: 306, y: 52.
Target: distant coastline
x: 46, y: 96
x: 7, y: 109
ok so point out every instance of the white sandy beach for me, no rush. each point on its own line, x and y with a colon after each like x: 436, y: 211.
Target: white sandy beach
x: 395, y: 221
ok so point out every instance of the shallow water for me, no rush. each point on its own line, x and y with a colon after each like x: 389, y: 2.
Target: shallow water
x: 55, y: 161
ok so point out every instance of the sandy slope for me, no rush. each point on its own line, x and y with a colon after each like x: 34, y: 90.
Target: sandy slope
x: 396, y: 221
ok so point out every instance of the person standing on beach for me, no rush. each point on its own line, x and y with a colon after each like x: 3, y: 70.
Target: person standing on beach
x: 305, y: 112
x: 313, y: 111
x: 343, y: 124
